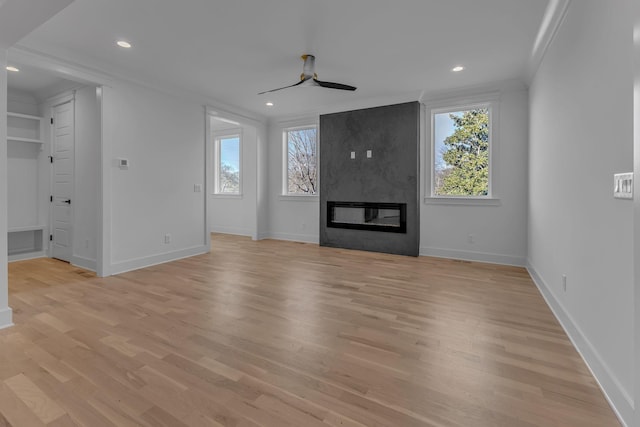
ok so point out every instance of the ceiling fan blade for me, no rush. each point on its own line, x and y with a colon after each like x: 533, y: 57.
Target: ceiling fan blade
x: 280, y: 88
x: 332, y: 85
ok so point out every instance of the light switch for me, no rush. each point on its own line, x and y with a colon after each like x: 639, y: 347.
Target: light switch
x: 353, y: 155
x: 623, y: 185
x: 369, y: 154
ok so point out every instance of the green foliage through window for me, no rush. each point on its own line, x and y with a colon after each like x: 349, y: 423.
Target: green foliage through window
x: 461, y: 166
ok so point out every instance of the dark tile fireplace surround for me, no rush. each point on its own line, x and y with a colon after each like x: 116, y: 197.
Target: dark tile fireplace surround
x: 369, y: 179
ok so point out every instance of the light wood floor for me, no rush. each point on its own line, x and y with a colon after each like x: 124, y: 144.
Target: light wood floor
x: 283, y: 334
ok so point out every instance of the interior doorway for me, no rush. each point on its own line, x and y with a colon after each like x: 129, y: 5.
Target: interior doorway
x: 53, y: 198
x: 232, y: 169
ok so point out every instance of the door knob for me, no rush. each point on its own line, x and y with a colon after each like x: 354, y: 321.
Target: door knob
x: 68, y: 201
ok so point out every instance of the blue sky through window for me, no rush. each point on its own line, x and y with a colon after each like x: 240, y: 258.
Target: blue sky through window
x: 230, y: 152
x: 443, y: 128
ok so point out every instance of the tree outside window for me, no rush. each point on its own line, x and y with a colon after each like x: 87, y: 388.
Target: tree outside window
x: 302, y: 161
x: 228, y: 179
x: 461, y: 153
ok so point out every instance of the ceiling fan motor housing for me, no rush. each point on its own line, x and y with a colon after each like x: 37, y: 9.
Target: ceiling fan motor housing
x: 308, y: 70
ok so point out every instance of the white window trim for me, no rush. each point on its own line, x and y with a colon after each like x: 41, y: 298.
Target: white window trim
x: 490, y: 101
x: 217, y: 136
x: 288, y: 127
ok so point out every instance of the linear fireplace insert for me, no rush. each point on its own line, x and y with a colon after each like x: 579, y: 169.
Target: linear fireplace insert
x: 387, y: 217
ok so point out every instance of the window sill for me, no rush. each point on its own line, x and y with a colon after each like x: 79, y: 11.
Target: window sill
x: 226, y: 196
x: 463, y: 201
x: 293, y: 198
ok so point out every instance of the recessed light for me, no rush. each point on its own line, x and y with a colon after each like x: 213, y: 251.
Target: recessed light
x: 269, y: 104
x: 457, y: 69
x: 12, y: 68
x: 124, y: 44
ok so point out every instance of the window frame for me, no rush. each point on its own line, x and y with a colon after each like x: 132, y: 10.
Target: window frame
x: 491, y: 103
x: 301, y: 125
x: 217, y: 158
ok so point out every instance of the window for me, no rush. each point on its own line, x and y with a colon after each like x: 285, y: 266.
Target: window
x: 301, y: 161
x: 461, y: 152
x: 228, y: 164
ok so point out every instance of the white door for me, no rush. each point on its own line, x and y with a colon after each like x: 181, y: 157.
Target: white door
x: 63, y: 151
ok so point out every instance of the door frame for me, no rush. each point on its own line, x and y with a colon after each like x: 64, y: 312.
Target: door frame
x: 258, y: 229
x: 104, y: 84
x: 54, y: 102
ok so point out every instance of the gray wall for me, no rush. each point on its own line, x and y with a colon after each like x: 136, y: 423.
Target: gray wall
x: 390, y: 176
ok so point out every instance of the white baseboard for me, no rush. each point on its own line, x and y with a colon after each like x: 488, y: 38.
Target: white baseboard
x: 135, y: 264
x: 26, y: 256
x: 6, y: 318
x: 305, y: 238
x: 239, y: 231
x: 474, y: 256
x: 86, y: 263
x: 619, y: 399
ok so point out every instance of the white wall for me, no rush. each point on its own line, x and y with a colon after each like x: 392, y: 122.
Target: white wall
x: 22, y: 183
x: 262, y: 176
x: 22, y: 102
x: 163, y: 138
x: 23, y: 171
x: 636, y: 205
x: 580, y: 135
x: 87, y: 174
x: 237, y: 214
x: 5, y: 311
x: 499, y: 232
x: 290, y: 217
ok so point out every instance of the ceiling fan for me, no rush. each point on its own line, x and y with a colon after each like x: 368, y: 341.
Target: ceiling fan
x: 310, y: 78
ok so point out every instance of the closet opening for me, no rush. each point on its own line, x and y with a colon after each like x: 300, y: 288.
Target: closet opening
x: 53, y: 166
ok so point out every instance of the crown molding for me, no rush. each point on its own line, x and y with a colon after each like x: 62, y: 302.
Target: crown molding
x: 75, y: 71
x: 553, y: 18
x: 62, y: 68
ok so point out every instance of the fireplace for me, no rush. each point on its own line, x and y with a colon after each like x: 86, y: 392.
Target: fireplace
x: 371, y: 155
x: 385, y: 217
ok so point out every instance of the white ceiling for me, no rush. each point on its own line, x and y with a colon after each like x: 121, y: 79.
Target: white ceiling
x: 231, y: 50
x: 37, y: 82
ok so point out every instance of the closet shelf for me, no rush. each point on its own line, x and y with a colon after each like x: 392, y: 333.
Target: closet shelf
x: 26, y: 228
x: 18, y: 139
x: 23, y: 116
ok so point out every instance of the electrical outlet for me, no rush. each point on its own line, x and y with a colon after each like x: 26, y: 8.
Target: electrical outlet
x: 471, y: 238
x: 167, y: 238
x: 197, y: 188
x: 123, y: 163
x: 564, y: 283
x: 86, y: 244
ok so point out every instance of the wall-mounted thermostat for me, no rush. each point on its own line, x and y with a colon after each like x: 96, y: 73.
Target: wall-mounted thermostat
x: 123, y: 163
x: 623, y: 185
